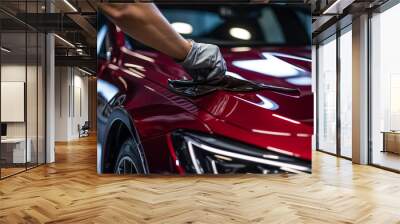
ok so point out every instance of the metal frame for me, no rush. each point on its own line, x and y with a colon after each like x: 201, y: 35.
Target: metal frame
x: 369, y: 77
x: 338, y: 152
x: 316, y: 98
x: 26, y: 88
x: 338, y: 98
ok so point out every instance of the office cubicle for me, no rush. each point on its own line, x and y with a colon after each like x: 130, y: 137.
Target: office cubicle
x: 22, y: 89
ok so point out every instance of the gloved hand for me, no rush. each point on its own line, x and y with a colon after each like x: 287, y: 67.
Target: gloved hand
x: 205, y: 63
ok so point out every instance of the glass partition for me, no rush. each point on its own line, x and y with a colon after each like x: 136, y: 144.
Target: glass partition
x: 22, y: 101
x: 15, y: 150
x: 385, y: 89
x: 345, y: 93
x: 32, y: 97
x: 327, y: 96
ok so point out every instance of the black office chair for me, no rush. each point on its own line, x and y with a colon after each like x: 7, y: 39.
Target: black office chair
x: 84, y: 130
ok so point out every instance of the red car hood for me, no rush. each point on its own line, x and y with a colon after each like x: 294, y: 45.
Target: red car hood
x: 262, y: 114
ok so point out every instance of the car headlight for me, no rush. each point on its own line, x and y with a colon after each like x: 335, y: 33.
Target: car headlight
x: 200, y: 153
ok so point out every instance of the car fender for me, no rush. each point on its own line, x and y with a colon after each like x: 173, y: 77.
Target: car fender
x: 121, y: 116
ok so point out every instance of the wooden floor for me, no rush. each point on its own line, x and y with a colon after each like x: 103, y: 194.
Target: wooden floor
x: 5, y: 172
x: 386, y: 159
x: 70, y: 191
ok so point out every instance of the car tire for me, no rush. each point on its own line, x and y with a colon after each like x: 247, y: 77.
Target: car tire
x: 129, y: 160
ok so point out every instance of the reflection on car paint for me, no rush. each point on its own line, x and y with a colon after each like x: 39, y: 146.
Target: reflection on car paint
x: 300, y: 81
x: 234, y: 75
x: 291, y: 56
x: 271, y: 132
x: 271, y: 66
x: 137, y: 55
x: 264, y: 102
x: 106, y: 89
x: 286, y: 119
x: 264, y: 125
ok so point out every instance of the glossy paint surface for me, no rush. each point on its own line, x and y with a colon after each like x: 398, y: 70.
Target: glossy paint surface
x: 269, y: 120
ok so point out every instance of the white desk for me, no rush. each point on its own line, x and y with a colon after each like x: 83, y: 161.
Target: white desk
x: 18, y: 150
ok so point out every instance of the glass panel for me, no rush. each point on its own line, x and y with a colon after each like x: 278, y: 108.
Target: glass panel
x: 327, y: 96
x: 41, y: 89
x: 346, y: 94
x: 32, y: 87
x: 13, y: 86
x: 32, y: 96
x: 23, y: 89
x: 385, y: 84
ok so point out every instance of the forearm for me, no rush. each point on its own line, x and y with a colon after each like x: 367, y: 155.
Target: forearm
x: 141, y: 19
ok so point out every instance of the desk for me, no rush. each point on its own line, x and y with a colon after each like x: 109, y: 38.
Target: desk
x: 391, y: 141
x: 13, y: 150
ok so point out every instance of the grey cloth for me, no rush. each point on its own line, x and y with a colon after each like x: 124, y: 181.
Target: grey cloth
x: 205, y: 63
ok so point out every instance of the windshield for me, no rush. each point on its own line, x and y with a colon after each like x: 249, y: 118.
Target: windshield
x: 233, y: 25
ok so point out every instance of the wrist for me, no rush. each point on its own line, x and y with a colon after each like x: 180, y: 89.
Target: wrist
x: 187, y: 47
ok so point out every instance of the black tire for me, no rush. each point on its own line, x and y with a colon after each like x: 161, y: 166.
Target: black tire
x: 129, y: 160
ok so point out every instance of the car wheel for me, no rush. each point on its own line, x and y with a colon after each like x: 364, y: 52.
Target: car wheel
x: 129, y: 160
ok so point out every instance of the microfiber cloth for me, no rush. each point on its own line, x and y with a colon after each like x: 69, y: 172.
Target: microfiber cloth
x: 190, y: 88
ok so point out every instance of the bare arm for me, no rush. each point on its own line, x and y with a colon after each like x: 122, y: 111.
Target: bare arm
x: 145, y: 23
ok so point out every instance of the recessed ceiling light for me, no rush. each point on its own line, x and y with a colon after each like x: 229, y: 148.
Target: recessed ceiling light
x: 183, y: 28
x: 240, y: 33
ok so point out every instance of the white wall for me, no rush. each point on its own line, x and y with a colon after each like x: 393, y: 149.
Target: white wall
x: 61, y: 103
x: 71, y: 94
x: 80, y: 110
x: 16, y: 72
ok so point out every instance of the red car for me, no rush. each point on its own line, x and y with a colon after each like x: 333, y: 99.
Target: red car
x: 143, y: 127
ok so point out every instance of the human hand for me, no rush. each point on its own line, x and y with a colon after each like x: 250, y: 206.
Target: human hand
x: 205, y: 63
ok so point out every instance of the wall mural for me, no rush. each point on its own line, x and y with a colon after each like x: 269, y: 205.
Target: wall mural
x: 238, y: 101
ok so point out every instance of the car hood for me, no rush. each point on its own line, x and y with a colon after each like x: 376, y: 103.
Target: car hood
x: 261, y: 113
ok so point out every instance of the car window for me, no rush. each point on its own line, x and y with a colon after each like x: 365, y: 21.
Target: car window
x: 200, y: 22
x: 305, y: 19
x: 239, y: 25
x: 271, y: 28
